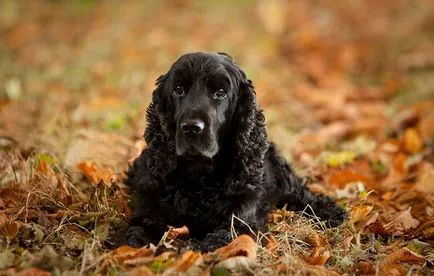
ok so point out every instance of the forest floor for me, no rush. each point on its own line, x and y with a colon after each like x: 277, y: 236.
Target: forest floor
x: 348, y: 93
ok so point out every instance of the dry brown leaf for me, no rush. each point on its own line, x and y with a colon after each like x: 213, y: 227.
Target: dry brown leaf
x: 363, y: 268
x: 412, y: 141
x: 124, y: 253
x: 360, y: 212
x: 238, y: 265
x: 402, y: 223
x: 178, y: 233
x: 244, y: 245
x: 319, y: 256
x: 94, y: 174
x: 393, y: 270
x: 278, y: 215
x: 187, y: 261
x: 272, y: 245
x: 316, y: 240
x: 403, y: 255
x: 11, y: 229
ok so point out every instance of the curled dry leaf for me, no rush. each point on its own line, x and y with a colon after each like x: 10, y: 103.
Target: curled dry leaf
x: 244, y: 245
x: 96, y: 175
x: 359, y: 212
x: 178, y: 233
x: 319, y: 256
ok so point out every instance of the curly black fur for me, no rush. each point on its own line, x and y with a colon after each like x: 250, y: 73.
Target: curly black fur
x: 245, y: 177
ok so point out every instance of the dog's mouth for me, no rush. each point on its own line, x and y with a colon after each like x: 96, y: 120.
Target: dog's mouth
x: 195, y: 147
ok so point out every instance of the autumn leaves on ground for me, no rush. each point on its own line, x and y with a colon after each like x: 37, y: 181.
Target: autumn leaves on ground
x: 347, y: 88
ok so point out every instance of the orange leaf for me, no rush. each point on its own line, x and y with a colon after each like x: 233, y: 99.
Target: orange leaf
x: 359, y: 212
x: 319, y: 256
x: 316, y: 240
x: 272, y: 245
x: 187, y: 260
x: 94, y: 174
x: 178, y: 233
x: 242, y: 246
x: 343, y: 176
x: 124, y: 253
x: 412, y: 141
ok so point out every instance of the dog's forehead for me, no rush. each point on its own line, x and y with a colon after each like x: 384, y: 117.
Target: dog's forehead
x: 199, y: 64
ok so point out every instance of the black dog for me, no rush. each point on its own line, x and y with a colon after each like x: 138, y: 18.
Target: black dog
x: 208, y: 158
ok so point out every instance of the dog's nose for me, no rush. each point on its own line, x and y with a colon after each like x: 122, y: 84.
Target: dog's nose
x: 195, y: 126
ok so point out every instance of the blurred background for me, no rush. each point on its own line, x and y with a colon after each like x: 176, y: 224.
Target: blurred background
x: 76, y: 72
x: 348, y: 93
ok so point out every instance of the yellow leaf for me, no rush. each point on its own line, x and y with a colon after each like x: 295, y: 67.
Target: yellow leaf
x: 412, y: 141
x: 359, y: 212
x: 336, y: 159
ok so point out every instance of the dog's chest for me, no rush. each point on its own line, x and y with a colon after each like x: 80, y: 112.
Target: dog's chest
x: 193, y: 203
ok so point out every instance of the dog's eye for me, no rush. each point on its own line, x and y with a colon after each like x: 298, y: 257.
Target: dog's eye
x: 220, y: 94
x: 179, y: 91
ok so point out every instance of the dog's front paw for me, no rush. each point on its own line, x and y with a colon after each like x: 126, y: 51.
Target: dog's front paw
x: 334, y: 214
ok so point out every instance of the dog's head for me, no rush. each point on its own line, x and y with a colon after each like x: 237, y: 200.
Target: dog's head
x: 200, y: 100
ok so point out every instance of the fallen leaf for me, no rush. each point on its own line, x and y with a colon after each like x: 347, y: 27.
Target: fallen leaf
x: 342, y: 177
x: 393, y: 270
x: 244, y: 245
x: 272, y: 245
x: 359, y: 212
x: 337, y: 159
x: 316, y: 240
x: 238, y: 265
x: 11, y: 229
x: 96, y: 175
x: 178, y: 233
x: 319, y: 256
x: 412, y: 141
x: 403, y: 255
x: 402, y: 223
x: 186, y: 263
x: 124, y: 253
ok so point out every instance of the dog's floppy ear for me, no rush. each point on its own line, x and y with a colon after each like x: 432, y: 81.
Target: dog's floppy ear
x: 158, y: 114
x: 251, y: 139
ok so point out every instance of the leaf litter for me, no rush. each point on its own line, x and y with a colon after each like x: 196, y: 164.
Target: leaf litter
x: 349, y: 103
